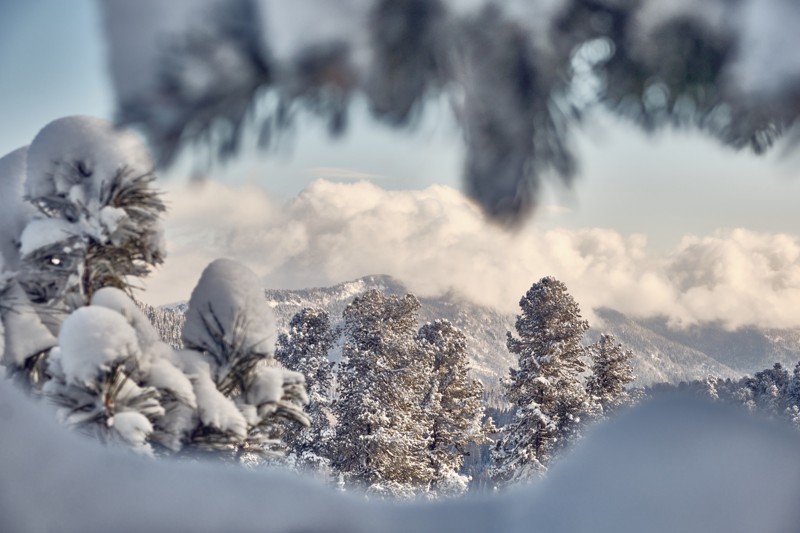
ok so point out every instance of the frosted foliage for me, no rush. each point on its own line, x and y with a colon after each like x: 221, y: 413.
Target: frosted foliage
x: 91, y: 339
x: 93, y: 147
x: 305, y: 349
x: 228, y: 313
x: 382, y: 382
x: 14, y: 213
x: 546, y: 389
x: 611, y: 372
x: 452, y: 404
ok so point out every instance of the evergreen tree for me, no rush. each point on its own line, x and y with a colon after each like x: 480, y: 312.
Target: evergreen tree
x: 611, y: 371
x: 96, y: 224
x: 243, y: 396
x: 452, y: 403
x: 382, y: 435
x: 546, y: 389
x: 305, y: 350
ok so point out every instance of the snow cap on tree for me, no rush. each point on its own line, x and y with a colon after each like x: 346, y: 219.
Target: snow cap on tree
x: 91, y: 340
x: 228, y: 313
x: 99, y: 220
x: 79, y: 156
x: 96, y: 382
x: 156, y: 358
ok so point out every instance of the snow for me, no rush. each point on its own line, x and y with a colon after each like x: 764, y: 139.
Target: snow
x: 25, y: 334
x: 91, y: 339
x: 148, y: 338
x: 164, y: 375
x: 14, y: 213
x: 44, y: 232
x: 674, y: 465
x: 215, y: 409
x: 229, y: 296
x: 267, y: 386
x: 77, y: 156
x: 133, y: 427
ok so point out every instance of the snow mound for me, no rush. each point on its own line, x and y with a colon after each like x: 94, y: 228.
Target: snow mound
x: 78, y: 153
x: 674, y: 465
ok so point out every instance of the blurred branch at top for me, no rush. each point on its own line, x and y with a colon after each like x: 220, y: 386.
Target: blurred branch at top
x: 519, y: 74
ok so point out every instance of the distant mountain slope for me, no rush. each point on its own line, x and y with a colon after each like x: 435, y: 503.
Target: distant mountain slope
x: 745, y: 349
x: 661, y: 354
x: 485, y: 328
x: 658, y: 357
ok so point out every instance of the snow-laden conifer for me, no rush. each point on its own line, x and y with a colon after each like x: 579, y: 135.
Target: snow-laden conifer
x: 91, y: 220
x: 305, y: 349
x: 112, y: 377
x: 382, y: 435
x: 243, y: 395
x: 546, y: 388
x: 611, y: 371
x: 452, y: 404
x: 98, y: 219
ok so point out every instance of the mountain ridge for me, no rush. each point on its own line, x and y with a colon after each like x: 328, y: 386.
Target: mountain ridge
x: 661, y: 354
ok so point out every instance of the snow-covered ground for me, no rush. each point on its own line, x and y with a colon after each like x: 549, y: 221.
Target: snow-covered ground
x: 672, y: 465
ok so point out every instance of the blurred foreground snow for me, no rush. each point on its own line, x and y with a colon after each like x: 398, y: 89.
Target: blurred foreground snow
x: 672, y: 465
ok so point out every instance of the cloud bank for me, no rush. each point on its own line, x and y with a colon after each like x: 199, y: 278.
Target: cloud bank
x: 436, y: 240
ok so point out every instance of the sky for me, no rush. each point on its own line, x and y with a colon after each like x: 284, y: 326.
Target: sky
x: 671, y: 223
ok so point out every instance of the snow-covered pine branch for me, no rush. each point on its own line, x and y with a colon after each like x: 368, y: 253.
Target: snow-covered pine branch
x: 243, y: 395
x: 84, y: 217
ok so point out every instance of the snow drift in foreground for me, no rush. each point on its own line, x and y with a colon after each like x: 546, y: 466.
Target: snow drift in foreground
x: 672, y: 465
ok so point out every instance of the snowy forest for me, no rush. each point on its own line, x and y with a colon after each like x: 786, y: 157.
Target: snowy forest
x: 212, y: 414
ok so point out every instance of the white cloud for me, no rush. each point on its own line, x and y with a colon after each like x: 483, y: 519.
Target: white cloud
x: 342, y: 174
x: 436, y: 240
